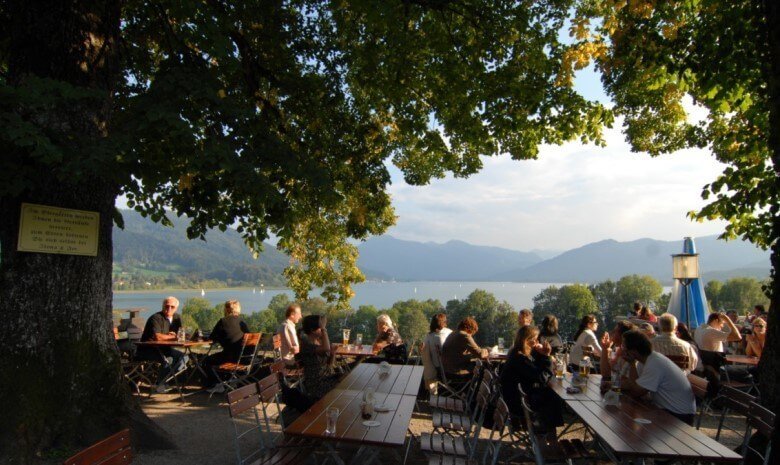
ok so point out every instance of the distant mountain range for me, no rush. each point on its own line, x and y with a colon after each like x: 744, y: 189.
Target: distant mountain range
x: 152, y: 249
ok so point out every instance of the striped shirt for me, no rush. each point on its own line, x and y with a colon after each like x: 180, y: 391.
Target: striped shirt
x: 669, y: 344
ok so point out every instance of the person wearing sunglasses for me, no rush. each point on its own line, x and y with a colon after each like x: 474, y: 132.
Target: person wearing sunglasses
x: 754, y: 343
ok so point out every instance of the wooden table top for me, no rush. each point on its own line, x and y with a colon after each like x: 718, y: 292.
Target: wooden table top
x: 397, y: 390
x: 743, y: 359
x: 665, y: 437
x: 172, y: 343
x: 590, y: 388
x: 365, y: 350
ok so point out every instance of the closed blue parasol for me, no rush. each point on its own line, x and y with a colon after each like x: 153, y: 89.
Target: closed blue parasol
x: 697, y: 301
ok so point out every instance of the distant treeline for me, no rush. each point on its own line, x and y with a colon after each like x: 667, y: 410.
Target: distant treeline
x: 568, y: 303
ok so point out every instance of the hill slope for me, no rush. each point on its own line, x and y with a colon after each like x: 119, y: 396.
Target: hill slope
x: 611, y: 259
x: 451, y: 261
x: 150, y: 249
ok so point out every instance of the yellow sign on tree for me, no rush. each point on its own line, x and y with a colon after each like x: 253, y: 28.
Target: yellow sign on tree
x: 47, y: 229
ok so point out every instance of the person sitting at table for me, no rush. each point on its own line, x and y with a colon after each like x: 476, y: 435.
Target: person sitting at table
x: 758, y: 312
x: 755, y: 342
x: 634, y: 312
x: 388, y: 342
x: 163, y: 326
x: 719, y: 328
x: 288, y: 335
x: 647, y: 329
x: 316, y: 357
x: 525, y: 317
x: 657, y: 375
x: 529, y: 364
x: 459, y: 352
x: 645, y: 313
x: 612, y: 360
x: 667, y: 343
x: 549, y: 333
x: 585, y: 337
x: 229, y: 334
x: 432, y: 345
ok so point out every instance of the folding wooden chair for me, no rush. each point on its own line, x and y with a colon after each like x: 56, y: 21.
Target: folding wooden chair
x: 244, y: 369
x: 464, y: 445
x: 292, y: 375
x: 733, y: 401
x: 254, y: 443
x: 114, y: 450
x: 760, y: 423
x: 456, y: 399
x: 560, y: 451
x: 505, y: 434
x: 701, y: 391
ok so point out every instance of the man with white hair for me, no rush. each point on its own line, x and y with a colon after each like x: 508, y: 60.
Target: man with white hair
x: 163, y: 326
x: 667, y: 343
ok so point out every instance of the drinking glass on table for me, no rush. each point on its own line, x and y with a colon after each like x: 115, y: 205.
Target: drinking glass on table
x: 332, y: 416
x: 359, y: 340
x: 501, y: 344
x: 560, y: 368
x: 345, y: 332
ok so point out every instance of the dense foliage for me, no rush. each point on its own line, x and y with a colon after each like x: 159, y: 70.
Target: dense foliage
x: 738, y: 294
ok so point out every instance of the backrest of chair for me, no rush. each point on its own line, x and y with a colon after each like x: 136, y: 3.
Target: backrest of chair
x: 242, y: 399
x: 736, y: 400
x: 114, y: 450
x: 682, y: 361
x: 250, y: 349
x: 762, y: 421
x: 699, y: 386
x: 500, y: 415
x: 270, y: 391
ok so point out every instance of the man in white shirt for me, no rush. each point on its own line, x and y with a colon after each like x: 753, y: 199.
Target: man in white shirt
x: 657, y: 375
x: 667, y: 343
x: 286, y: 330
x: 719, y: 328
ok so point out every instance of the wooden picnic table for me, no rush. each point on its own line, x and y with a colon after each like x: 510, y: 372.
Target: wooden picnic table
x: 396, y: 390
x: 195, y: 359
x: 657, y: 434
x: 743, y: 359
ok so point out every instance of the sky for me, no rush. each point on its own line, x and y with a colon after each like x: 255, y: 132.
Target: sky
x: 570, y: 196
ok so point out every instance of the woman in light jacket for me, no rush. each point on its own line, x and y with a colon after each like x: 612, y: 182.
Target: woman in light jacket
x: 585, y: 337
x: 434, y: 340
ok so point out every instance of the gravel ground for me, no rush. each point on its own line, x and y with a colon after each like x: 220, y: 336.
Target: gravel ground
x: 202, y: 429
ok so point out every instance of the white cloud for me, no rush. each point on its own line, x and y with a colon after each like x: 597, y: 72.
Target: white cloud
x: 572, y: 195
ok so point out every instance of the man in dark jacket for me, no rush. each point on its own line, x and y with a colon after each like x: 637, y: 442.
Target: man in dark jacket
x: 163, y: 326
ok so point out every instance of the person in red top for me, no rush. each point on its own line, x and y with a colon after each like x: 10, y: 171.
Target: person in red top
x: 647, y: 315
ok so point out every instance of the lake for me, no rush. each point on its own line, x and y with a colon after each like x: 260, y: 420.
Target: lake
x: 379, y: 294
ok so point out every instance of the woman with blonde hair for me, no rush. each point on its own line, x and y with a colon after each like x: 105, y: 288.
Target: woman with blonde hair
x: 388, y: 342
x: 228, y: 333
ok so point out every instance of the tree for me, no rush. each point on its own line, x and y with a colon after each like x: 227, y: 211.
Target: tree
x: 617, y: 298
x: 198, y: 313
x: 568, y: 303
x: 712, y: 291
x: 725, y: 56
x: 741, y: 294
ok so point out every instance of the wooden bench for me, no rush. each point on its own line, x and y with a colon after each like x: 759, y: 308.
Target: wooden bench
x: 114, y: 450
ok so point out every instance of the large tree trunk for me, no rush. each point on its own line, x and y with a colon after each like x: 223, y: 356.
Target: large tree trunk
x: 770, y: 359
x: 60, y: 379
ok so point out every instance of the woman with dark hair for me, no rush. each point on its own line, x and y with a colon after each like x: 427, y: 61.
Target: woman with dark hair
x: 459, y: 351
x: 684, y: 333
x: 585, y: 337
x: 647, y: 314
x: 549, y: 333
x: 434, y: 340
x: 529, y: 365
x: 316, y: 357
